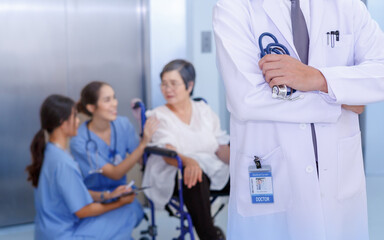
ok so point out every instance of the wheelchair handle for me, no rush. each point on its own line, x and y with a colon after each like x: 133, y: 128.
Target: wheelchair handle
x: 137, y: 105
x: 161, y: 151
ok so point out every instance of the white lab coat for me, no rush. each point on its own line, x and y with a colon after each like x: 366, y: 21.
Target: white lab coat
x: 306, y: 207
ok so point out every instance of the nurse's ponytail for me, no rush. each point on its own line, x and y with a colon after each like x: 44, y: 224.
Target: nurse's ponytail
x: 37, y: 152
x: 53, y: 112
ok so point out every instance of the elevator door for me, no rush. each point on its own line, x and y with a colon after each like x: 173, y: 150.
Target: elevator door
x: 57, y: 46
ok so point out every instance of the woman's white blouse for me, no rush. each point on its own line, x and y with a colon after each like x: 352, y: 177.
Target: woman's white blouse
x: 198, y: 140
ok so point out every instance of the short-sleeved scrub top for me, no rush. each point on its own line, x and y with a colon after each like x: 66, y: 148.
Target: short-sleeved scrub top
x: 124, y: 140
x: 92, y: 153
x: 61, y: 193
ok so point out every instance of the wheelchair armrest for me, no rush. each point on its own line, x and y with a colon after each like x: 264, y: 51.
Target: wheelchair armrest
x: 161, y: 151
x: 166, y: 153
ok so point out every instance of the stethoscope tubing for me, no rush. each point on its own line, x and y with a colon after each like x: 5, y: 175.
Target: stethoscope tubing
x: 276, y: 48
x: 91, y: 141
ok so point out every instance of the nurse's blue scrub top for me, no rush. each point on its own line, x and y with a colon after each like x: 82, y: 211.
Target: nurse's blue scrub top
x: 60, y: 193
x: 127, y: 141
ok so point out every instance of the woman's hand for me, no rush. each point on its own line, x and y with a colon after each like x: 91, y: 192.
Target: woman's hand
x: 192, y: 172
x: 128, y: 198
x: 119, y: 191
x: 359, y: 109
x: 150, y: 127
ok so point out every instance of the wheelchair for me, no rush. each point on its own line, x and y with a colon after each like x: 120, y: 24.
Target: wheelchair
x: 175, y: 206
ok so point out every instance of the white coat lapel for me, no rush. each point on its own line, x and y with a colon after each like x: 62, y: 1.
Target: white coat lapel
x: 274, y: 11
x: 315, y: 36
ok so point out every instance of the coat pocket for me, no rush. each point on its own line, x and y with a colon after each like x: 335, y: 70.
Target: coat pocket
x: 339, y: 53
x: 281, y: 184
x: 351, y: 178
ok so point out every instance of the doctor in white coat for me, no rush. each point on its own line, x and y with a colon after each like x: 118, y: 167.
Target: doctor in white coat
x: 312, y: 201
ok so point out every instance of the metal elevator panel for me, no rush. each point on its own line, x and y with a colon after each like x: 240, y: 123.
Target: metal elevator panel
x: 104, y: 43
x: 57, y: 46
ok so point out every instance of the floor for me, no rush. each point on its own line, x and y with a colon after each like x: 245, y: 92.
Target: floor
x: 167, y: 226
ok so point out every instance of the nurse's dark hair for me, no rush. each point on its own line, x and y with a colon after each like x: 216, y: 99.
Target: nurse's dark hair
x: 53, y: 112
x: 89, y: 95
x: 185, y: 69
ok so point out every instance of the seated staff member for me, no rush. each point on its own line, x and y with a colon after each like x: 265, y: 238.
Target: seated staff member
x: 193, y: 130
x: 107, y: 146
x: 64, y: 207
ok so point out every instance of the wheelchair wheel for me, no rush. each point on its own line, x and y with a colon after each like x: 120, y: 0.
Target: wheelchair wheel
x: 220, y: 233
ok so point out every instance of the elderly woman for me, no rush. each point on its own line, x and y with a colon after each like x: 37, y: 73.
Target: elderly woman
x: 193, y: 130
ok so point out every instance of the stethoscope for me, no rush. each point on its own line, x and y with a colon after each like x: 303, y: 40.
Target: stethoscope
x: 281, y: 91
x: 112, y: 154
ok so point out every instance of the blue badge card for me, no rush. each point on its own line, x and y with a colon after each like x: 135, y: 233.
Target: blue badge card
x: 260, y: 184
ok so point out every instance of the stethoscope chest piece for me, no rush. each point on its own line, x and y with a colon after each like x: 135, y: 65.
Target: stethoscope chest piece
x: 284, y: 93
x: 279, y: 91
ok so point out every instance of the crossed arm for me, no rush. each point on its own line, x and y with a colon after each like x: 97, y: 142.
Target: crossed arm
x: 284, y: 69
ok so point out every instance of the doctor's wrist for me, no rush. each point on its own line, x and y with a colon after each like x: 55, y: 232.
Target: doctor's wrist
x: 322, y: 83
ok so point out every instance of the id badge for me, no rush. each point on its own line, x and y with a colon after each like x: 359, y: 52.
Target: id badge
x: 117, y: 159
x: 260, y: 184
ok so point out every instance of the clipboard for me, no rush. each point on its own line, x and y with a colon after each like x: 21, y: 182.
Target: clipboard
x: 134, y: 191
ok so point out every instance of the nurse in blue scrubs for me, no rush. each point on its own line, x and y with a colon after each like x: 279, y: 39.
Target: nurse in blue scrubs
x: 107, y: 146
x: 64, y: 207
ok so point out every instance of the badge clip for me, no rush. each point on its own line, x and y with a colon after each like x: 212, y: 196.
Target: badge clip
x: 257, y: 162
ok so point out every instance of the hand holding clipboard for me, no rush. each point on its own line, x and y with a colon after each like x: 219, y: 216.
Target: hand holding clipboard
x: 134, y: 191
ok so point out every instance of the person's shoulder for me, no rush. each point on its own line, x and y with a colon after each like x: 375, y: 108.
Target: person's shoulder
x: 200, y: 103
x: 159, y: 112
x: 122, y: 121
x: 162, y: 108
x: 202, y: 107
x: 58, y: 158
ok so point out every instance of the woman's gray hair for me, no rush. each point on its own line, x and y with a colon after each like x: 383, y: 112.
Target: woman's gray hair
x: 185, y: 69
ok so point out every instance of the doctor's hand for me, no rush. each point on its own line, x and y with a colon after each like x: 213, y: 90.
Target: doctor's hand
x: 284, y: 69
x: 359, y: 109
x: 192, y: 172
x: 150, y: 127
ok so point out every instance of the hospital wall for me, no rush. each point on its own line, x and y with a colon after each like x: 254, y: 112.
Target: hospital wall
x: 202, y: 52
x: 373, y: 128
x: 183, y: 29
x: 167, y: 41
